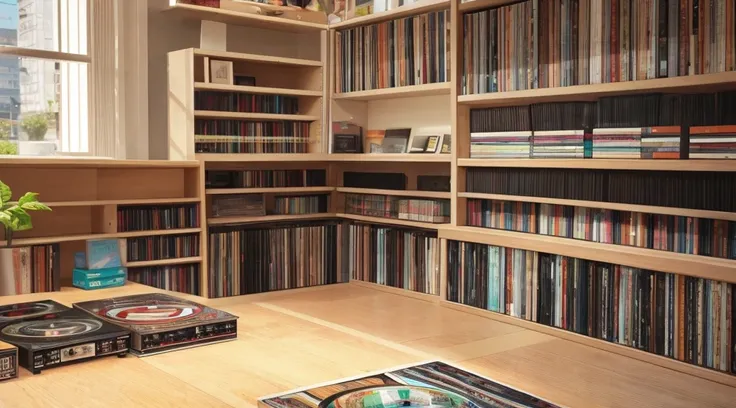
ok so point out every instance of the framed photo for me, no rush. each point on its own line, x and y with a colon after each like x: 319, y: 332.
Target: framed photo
x: 395, y: 140
x: 342, y: 143
x: 433, y: 143
x: 446, y: 144
x: 221, y: 72
x: 245, y: 80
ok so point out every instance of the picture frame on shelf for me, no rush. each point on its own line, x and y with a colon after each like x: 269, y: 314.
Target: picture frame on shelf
x: 396, y: 140
x: 221, y: 72
x: 446, y: 145
x: 347, y: 138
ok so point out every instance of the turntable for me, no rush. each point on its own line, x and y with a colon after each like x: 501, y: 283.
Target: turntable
x: 65, y: 337
x: 30, y: 310
x: 160, y: 322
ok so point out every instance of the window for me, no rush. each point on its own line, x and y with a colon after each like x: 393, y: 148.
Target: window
x: 44, y: 77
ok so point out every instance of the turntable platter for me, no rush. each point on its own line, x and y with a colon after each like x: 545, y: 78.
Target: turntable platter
x: 52, y: 329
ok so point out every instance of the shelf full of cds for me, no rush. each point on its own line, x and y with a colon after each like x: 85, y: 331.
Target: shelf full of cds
x: 233, y: 103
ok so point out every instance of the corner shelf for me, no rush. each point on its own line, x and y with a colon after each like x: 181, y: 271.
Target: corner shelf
x: 251, y: 115
x: 206, y: 86
x: 641, y: 355
x: 442, y: 88
x: 685, y: 212
x: 421, y: 6
x: 164, y: 262
x: 701, y: 83
x: 142, y: 201
x: 605, y: 164
x: 194, y: 12
x: 390, y: 157
x: 269, y: 190
x: 399, y: 193
x: 266, y: 218
x: 684, y: 264
x: 262, y: 59
x: 391, y: 221
x: 261, y: 157
x: 112, y: 235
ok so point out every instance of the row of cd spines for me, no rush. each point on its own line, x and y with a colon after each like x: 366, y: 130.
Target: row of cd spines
x: 681, y: 317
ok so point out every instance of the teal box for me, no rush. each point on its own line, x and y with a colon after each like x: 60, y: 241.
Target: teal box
x: 90, y: 274
x: 100, y: 283
x: 100, y: 254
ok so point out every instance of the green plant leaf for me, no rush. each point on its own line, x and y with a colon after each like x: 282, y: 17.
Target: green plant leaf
x: 5, y: 193
x: 6, y: 219
x: 21, y: 222
x: 35, y: 206
x: 28, y: 198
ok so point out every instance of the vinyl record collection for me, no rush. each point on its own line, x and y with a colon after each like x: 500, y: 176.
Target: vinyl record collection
x: 301, y: 205
x: 239, y: 136
x: 162, y: 247
x: 30, y: 269
x: 398, y: 257
x: 553, y: 43
x: 681, y: 317
x: 414, y: 209
x: 403, y: 52
x: 243, y: 102
x: 697, y: 126
x: 146, y: 218
x: 260, y: 258
x: 265, y: 178
x: 686, y: 235
x: 238, y: 205
x: 178, y: 278
x: 679, y: 189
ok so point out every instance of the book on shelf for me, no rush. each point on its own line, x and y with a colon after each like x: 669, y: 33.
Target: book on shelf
x: 177, y: 278
x: 160, y: 247
x: 265, y: 178
x: 149, y: 218
x: 413, y: 209
x: 403, y: 52
x: 555, y: 43
x: 262, y: 258
x: 245, y: 102
x: 398, y: 257
x: 238, y: 205
x: 685, y: 318
x: 243, y: 136
x: 311, y: 204
x: 681, y: 234
x: 676, y: 189
x: 30, y: 269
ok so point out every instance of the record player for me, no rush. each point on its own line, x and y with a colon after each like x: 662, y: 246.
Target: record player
x: 30, y: 310
x: 161, y: 322
x: 8, y: 361
x: 47, y: 340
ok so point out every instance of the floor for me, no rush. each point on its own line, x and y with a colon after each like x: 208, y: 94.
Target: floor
x: 297, y: 338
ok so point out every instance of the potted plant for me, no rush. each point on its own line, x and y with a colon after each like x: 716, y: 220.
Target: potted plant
x: 14, y: 214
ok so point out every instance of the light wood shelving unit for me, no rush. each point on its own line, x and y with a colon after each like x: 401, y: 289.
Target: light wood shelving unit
x: 604, y: 164
x: 269, y: 190
x: 419, y: 7
x: 442, y: 88
x: 266, y: 218
x: 397, y: 193
x: 391, y: 221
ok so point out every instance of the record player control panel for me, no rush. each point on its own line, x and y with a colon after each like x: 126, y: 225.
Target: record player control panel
x: 189, y: 335
x: 52, y: 357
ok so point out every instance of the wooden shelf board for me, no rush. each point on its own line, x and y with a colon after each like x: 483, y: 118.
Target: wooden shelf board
x: 263, y: 59
x: 482, y: 4
x: 269, y: 190
x: 391, y: 221
x: 399, y: 193
x: 112, y: 235
x: 396, y: 291
x: 683, y: 264
x: 255, y: 89
x: 164, y: 262
x: 266, y: 218
x: 197, y: 13
x: 666, y: 362
x: 250, y: 115
x: 686, y: 212
x: 388, y: 157
x: 261, y: 157
x: 442, y: 88
x: 605, y: 164
x: 94, y: 162
x: 421, y: 6
x: 142, y: 201
x: 699, y: 83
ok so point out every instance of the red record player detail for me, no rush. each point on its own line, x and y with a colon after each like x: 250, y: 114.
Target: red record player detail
x: 25, y: 311
x: 151, y: 314
x: 54, y: 328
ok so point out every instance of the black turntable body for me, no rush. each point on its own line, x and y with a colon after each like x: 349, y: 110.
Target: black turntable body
x: 50, y: 335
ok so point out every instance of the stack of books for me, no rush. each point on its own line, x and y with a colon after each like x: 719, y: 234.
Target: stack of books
x: 100, y: 266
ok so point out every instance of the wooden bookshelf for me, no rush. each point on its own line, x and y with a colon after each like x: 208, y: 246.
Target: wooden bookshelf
x: 270, y: 190
x: 196, y: 13
x: 664, y: 261
x: 261, y: 158
x: 204, y: 86
x: 650, y: 209
x: 52, y: 239
x: 253, y: 116
x: 398, y: 193
x: 605, y: 164
x: 387, y: 157
x: 442, y: 88
x: 419, y: 7
x: 143, y: 201
x: 266, y: 218
x: 391, y: 221
x: 256, y: 58
x: 481, y: 4
x: 684, y: 84
x: 164, y: 262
